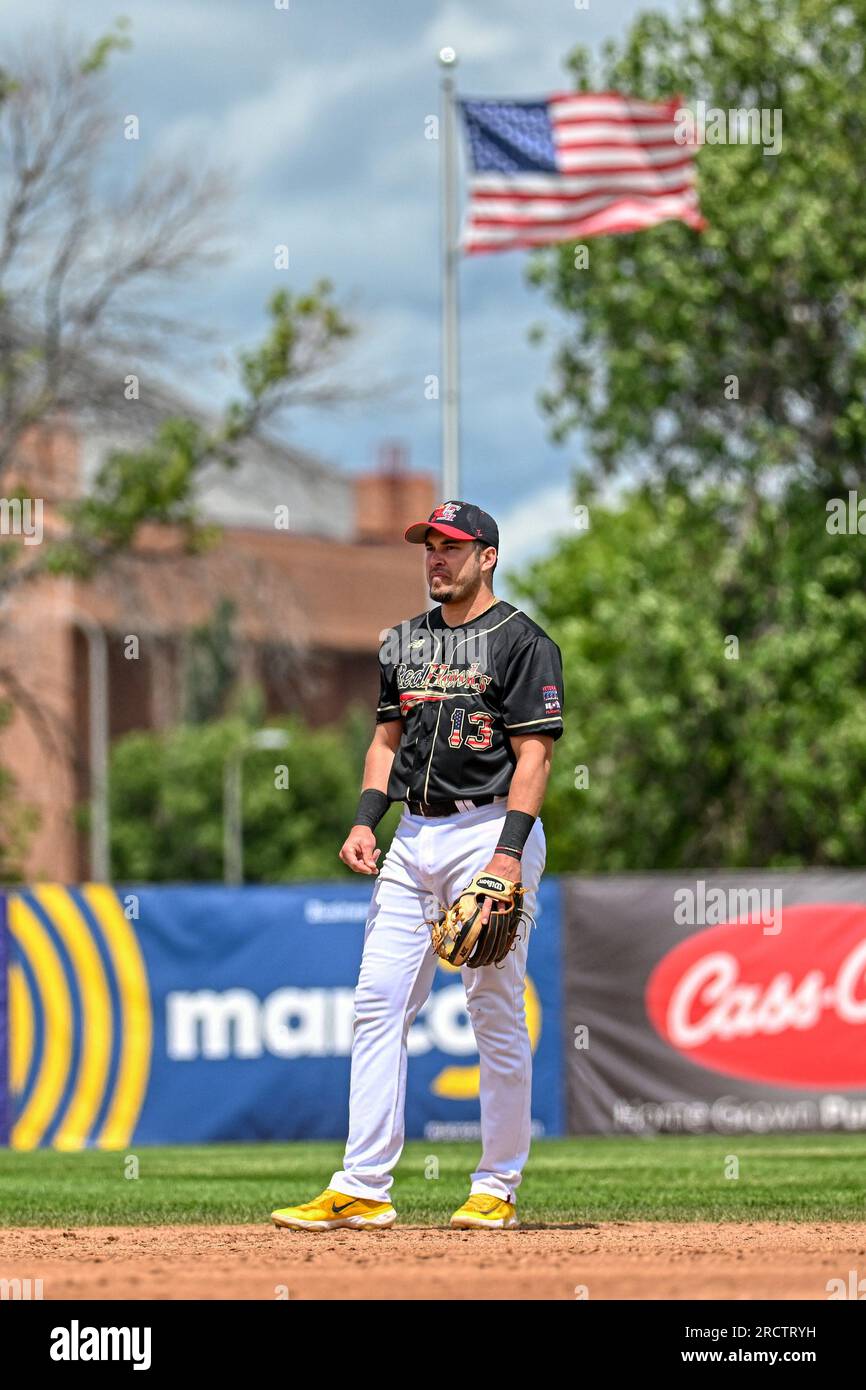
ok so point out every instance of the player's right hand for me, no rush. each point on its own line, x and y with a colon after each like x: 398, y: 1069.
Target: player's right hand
x: 359, y: 851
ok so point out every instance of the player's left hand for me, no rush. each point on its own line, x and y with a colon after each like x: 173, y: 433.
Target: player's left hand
x: 502, y: 866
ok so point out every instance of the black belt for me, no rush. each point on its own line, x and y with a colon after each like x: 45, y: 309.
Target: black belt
x: 446, y: 808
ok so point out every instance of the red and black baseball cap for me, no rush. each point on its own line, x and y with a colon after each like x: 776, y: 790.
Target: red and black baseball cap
x: 461, y: 520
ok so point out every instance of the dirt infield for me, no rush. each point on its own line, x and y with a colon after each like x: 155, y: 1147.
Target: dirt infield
x: 620, y: 1259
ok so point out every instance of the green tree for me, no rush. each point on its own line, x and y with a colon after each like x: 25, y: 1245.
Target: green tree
x: 86, y: 263
x: 80, y: 292
x: 166, y: 802
x: 211, y: 665
x: 157, y: 483
x: 715, y: 685
x: 773, y: 293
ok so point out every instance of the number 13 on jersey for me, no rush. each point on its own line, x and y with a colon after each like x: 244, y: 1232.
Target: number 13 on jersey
x: 480, y: 738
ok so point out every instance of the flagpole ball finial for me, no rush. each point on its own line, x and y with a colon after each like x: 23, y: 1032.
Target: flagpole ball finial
x: 447, y: 57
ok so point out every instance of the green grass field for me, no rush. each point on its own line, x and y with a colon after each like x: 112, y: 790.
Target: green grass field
x: 672, y: 1178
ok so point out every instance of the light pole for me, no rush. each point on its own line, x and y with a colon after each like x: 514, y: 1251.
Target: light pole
x: 98, y: 730
x: 233, y: 824
x: 450, y: 251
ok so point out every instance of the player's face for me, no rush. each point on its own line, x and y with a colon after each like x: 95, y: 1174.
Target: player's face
x: 453, y: 568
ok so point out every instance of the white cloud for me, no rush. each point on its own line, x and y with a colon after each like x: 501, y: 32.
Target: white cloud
x: 531, y: 525
x: 254, y: 132
x: 289, y: 114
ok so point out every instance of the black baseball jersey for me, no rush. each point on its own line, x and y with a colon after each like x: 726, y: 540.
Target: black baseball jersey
x: 462, y: 692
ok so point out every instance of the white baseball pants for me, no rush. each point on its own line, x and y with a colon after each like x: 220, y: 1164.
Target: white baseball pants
x: 430, y: 861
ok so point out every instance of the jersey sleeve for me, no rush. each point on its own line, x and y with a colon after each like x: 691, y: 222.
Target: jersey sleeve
x: 389, y: 697
x: 533, y: 698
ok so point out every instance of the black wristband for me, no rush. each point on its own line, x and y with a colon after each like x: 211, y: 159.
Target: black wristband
x: 503, y: 849
x: 371, y: 807
x: 516, y: 830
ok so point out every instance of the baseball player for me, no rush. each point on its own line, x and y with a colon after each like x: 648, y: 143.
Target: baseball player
x: 470, y: 706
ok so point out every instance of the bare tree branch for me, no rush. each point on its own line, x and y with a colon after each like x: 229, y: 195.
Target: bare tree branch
x: 82, y: 257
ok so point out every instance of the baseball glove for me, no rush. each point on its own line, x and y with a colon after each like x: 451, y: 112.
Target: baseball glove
x: 459, y: 935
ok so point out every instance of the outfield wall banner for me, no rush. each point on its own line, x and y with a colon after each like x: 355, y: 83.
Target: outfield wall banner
x: 715, y: 1002
x: 4, y: 1024
x: 144, y: 1015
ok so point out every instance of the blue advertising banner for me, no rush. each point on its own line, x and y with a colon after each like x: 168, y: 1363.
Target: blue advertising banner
x: 200, y: 1013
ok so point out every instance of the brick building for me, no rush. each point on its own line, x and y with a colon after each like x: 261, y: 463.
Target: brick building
x: 309, y: 601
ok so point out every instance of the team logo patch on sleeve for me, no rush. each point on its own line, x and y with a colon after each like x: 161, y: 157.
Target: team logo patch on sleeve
x: 550, y: 695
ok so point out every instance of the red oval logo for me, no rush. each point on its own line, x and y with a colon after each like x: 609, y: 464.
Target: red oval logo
x: 788, y: 1008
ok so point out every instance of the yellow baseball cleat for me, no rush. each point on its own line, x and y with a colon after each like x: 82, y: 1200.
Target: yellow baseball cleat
x: 332, y: 1209
x: 481, y: 1209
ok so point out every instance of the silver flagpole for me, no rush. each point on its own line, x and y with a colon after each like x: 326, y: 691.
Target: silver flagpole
x: 450, y: 258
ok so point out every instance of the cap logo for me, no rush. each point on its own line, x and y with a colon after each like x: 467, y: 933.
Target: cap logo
x: 446, y: 512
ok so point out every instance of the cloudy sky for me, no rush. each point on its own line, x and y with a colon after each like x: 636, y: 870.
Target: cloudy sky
x: 319, y: 110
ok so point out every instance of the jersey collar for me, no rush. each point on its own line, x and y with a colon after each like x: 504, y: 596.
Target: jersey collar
x: 496, y: 610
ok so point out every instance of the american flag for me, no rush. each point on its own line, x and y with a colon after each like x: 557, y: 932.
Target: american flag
x: 574, y: 165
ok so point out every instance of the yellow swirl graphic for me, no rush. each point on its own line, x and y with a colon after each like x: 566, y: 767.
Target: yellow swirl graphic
x: 54, y: 1063
x: 22, y: 1029
x: 96, y: 1032
x: 136, y: 1021
x: 94, y: 1024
